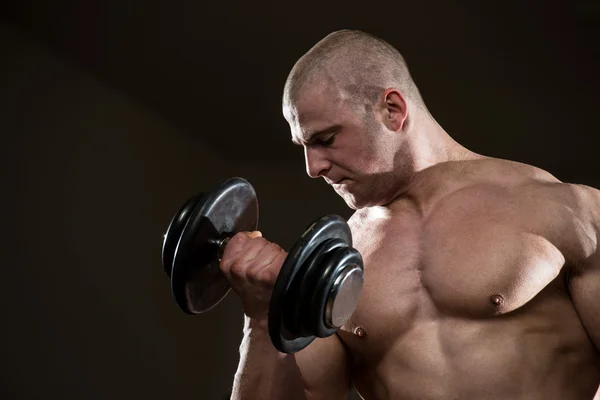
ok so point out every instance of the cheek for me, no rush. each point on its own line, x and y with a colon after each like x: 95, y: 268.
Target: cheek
x: 375, y: 156
x: 367, y: 154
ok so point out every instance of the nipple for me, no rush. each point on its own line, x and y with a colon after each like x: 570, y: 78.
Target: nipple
x: 360, y: 331
x: 497, y: 299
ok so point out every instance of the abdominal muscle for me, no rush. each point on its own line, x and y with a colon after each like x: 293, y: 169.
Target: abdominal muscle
x: 538, y: 352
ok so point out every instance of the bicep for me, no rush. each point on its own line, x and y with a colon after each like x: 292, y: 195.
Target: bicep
x: 324, y: 369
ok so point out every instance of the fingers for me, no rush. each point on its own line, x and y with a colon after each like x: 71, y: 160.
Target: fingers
x: 270, y: 272
x: 248, y: 256
x: 264, y: 268
x: 251, y: 264
x: 234, y: 247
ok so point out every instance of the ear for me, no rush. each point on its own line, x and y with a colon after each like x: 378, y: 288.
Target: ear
x: 395, y: 110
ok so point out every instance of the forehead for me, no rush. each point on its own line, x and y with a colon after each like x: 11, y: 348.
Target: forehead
x: 313, y: 107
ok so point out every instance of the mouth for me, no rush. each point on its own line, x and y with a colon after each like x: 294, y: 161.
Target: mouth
x: 340, y: 182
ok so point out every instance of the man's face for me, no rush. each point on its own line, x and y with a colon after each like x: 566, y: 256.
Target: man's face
x: 351, y: 150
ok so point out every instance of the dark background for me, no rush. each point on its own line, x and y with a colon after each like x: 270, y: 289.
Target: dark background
x: 114, y: 112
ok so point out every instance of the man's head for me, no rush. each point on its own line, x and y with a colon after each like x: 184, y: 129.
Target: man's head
x: 350, y: 101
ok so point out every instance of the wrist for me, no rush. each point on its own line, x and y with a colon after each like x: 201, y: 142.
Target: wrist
x: 252, y: 324
x: 256, y: 333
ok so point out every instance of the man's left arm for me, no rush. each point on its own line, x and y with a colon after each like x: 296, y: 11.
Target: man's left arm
x: 585, y: 281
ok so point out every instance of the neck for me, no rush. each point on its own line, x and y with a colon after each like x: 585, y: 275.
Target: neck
x: 428, y: 146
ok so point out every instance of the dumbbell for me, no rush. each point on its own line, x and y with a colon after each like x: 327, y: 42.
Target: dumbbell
x: 318, y: 286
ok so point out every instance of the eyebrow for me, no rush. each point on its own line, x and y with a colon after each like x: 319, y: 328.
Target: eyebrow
x: 312, y: 137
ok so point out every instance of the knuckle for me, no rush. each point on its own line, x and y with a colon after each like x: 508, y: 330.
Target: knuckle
x: 256, y: 247
x: 246, y: 258
x: 259, y: 242
x: 227, y: 262
x: 253, y: 276
x: 235, y: 245
x: 237, y: 269
x: 239, y: 239
x: 268, y: 276
x: 279, y: 260
x: 252, y: 243
x: 273, y: 247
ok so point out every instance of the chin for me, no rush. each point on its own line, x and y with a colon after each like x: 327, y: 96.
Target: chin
x: 357, y: 197
x: 354, y: 202
x: 352, y: 206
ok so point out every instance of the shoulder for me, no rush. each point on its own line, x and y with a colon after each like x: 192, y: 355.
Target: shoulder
x: 587, y: 199
x: 582, y: 201
x: 567, y: 214
x: 576, y: 216
x: 585, y: 203
x: 509, y: 172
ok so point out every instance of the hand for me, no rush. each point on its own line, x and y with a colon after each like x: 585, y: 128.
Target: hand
x: 251, y: 264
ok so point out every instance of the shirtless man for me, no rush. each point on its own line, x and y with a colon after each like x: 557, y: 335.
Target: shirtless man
x: 481, y: 274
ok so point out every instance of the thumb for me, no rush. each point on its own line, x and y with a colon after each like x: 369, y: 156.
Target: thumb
x: 254, y: 234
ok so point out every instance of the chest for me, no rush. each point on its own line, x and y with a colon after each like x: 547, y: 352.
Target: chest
x: 472, y: 258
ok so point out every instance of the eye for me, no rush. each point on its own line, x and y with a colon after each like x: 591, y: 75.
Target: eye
x: 327, y: 142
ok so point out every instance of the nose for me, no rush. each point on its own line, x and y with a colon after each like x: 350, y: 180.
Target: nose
x: 316, y: 163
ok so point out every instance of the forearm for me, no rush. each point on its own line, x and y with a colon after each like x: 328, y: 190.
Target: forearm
x: 264, y: 372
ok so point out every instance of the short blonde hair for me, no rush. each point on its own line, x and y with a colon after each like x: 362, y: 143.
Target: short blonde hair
x: 358, y: 63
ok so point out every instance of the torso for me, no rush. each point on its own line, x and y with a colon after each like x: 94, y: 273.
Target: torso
x: 465, y: 294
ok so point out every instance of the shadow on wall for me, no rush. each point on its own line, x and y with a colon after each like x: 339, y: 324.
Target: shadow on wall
x: 91, y: 182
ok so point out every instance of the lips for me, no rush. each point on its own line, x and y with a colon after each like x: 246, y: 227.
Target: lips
x: 336, y: 182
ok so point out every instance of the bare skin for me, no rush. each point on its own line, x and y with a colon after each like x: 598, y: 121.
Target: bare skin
x: 481, y: 274
x: 476, y: 305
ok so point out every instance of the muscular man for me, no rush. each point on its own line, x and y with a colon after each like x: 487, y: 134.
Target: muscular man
x: 481, y: 274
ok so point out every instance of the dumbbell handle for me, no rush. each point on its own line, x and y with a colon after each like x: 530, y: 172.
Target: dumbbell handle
x: 220, y: 243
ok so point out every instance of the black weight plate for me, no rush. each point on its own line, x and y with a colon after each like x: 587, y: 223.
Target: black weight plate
x: 197, y: 282
x: 327, y: 227
x: 174, y: 232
